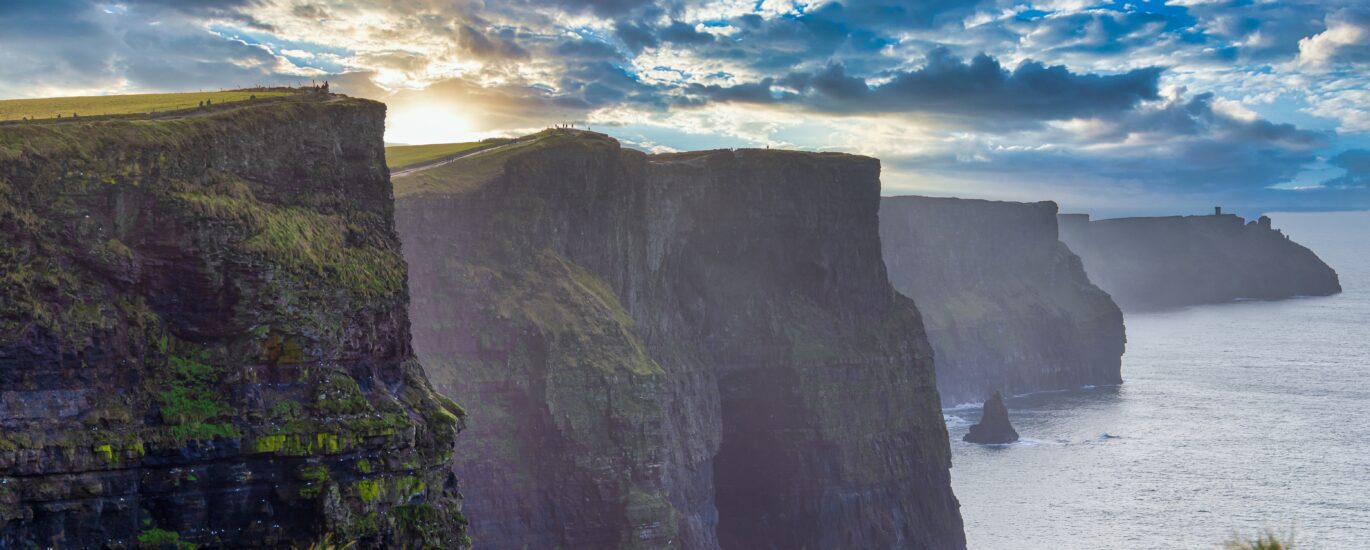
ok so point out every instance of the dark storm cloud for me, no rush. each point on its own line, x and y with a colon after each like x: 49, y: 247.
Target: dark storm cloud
x: 636, y: 35
x: 608, y: 8
x: 580, y: 49
x: 1356, y: 162
x: 1197, y: 117
x: 1179, y: 149
x: 681, y: 33
x: 889, y: 15
x: 600, y: 83
x: 946, y: 85
x: 482, y: 46
x: 758, y: 92
x: 853, y: 32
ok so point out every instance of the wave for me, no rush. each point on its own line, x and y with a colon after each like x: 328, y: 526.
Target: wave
x: 977, y: 405
x: 1022, y: 442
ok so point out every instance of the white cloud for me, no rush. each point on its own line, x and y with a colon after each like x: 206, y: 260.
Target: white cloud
x: 1347, y: 38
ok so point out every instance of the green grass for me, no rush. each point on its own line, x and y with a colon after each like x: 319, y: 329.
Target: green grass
x: 309, y: 243
x: 161, y: 538
x: 46, y: 108
x: 190, y: 401
x: 399, y: 157
x: 471, y: 173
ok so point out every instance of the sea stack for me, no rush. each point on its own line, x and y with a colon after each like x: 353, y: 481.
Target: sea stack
x: 994, y: 427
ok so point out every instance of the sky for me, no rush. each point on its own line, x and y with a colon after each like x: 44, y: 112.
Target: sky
x: 1142, y: 107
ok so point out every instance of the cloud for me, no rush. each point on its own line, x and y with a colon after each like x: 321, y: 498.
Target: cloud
x: 1162, y: 154
x: 607, y: 7
x: 478, y: 44
x: 1260, y: 31
x: 1027, y: 100
x: 1356, y: 163
x: 949, y: 87
x: 1346, y: 41
x: 77, y: 47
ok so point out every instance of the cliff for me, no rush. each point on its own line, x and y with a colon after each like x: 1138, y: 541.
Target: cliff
x: 204, y: 336
x: 695, y: 350
x: 1176, y: 261
x: 1006, y: 305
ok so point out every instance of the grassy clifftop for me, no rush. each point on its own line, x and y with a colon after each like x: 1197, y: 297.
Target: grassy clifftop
x: 206, y: 304
x: 487, y: 164
x: 66, y: 107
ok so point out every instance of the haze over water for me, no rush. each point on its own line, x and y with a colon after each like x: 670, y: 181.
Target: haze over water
x: 1233, y: 418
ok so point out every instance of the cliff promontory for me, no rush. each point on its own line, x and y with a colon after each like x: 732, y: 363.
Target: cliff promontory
x: 1005, y: 303
x: 204, y: 336
x: 692, y: 350
x: 1176, y: 261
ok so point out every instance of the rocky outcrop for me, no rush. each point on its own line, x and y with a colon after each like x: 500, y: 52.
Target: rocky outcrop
x: 695, y: 350
x: 994, y: 427
x: 1177, y: 261
x: 204, y: 336
x: 1006, y: 305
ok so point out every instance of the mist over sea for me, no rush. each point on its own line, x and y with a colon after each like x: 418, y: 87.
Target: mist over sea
x: 1233, y: 418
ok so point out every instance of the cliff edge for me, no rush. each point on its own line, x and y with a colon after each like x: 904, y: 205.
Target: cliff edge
x: 694, y: 350
x: 1177, y: 261
x: 204, y: 336
x: 1006, y: 304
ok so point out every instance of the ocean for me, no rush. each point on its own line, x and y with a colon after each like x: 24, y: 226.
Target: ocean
x: 1232, y: 418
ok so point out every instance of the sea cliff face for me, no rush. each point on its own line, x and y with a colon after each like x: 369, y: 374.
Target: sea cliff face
x: 698, y: 350
x: 204, y: 336
x: 1177, y: 261
x: 1006, y: 305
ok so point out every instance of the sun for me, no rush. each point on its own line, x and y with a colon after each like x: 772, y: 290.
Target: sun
x: 422, y: 124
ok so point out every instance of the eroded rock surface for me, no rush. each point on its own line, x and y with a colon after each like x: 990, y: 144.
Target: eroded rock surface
x: 204, y: 336
x: 693, y: 350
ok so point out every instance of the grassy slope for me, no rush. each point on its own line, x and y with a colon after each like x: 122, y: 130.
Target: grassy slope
x: 15, y: 109
x: 405, y: 156
x: 474, y: 171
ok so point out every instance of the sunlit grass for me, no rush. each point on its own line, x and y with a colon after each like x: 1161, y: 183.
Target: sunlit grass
x: 405, y: 156
x: 50, y: 108
x: 471, y: 172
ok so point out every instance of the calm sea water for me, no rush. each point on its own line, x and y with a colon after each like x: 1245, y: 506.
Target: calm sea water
x: 1232, y: 418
